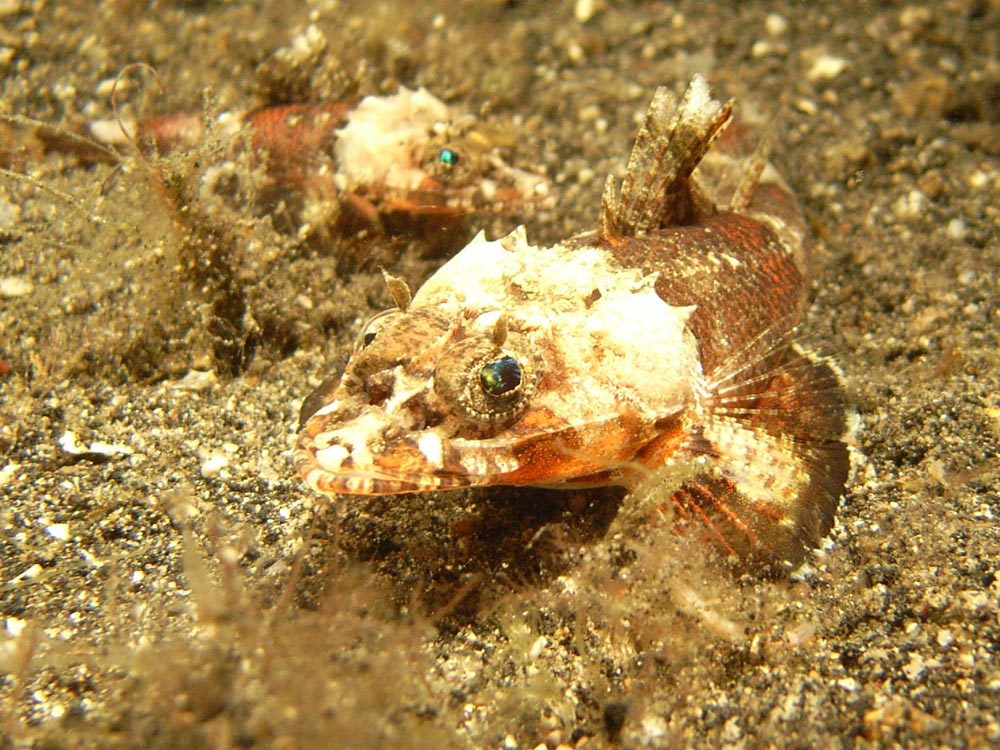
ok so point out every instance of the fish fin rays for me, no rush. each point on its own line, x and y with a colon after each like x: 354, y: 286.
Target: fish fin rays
x: 767, y: 468
x: 657, y: 190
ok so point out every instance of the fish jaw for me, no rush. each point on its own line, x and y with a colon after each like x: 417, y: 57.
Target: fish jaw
x: 604, y: 367
x: 369, y: 455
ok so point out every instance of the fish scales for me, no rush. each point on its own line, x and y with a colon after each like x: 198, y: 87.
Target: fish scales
x: 662, y: 344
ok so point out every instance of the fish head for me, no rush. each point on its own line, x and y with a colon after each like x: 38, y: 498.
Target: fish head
x: 512, y: 365
x: 411, y: 152
x: 469, y: 166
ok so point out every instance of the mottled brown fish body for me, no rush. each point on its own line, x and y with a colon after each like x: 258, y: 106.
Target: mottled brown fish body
x: 721, y: 267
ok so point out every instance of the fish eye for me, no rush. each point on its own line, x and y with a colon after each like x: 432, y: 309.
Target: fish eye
x: 501, y: 376
x: 448, y: 157
x: 485, y: 385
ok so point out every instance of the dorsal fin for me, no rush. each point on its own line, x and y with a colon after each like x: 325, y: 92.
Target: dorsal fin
x: 657, y: 190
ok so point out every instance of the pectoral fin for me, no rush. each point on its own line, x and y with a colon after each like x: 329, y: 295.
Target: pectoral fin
x: 778, y: 465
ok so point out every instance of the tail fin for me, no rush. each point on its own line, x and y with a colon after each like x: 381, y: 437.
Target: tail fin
x: 656, y: 190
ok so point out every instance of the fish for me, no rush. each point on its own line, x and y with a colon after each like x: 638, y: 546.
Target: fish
x: 407, y: 152
x: 663, y: 343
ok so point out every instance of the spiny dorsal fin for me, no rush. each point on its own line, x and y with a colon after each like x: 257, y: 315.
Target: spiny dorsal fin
x: 656, y: 190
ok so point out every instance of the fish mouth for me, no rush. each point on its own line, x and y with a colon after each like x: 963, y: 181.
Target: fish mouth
x: 370, y: 454
x: 367, y: 456
x: 330, y: 478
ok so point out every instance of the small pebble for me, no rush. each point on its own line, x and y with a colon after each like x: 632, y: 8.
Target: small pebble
x: 915, y: 668
x: 584, y: 10
x: 15, y: 286
x: 775, y: 24
x: 195, y: 380
x: 979, y: 179
x: 911, y: 205
x: 112, y: 132
x: 654, y: 729
x: 537, y: 647
x: 9, y: 212
x: 28, y: 573
x: 71, y: 444
x: 306, y: 45
x: 806, y: 106
x: 588, y: 113
x: 826, y: 68
x: 58, y: 531
x: 955, y: 229
x: 212, y: 466
x: 8, y: 472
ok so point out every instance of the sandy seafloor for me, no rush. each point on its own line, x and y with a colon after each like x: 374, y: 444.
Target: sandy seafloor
x: 165, y: 581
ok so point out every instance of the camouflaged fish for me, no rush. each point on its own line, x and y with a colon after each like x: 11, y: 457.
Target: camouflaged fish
x: 662, y: 342
x: 405, y: 152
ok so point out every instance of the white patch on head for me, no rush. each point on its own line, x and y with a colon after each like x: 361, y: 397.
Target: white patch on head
x: 404, y: 387
x: 644, y: 342
x: 605, y: 325
x: 332, y: 457
x: 471, y: 279
x: 354, y: 438
x: 429, y: 443
x: 479, y: 458
x: 384, y: 135
x: 484, y: 275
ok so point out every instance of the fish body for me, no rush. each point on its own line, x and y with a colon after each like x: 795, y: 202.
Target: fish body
x: 661, y: 344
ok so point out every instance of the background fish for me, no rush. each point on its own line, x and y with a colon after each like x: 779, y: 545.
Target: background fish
x: 405, y: 152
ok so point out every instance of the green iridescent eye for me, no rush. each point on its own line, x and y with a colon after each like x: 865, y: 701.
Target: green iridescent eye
x: 485, y: 386
x: 448, y: 157
x: 501, y: 376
